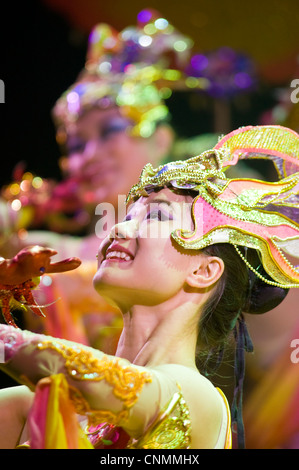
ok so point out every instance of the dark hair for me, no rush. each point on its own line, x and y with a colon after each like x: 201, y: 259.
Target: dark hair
x: 238, y: 291
x: 222, y: 309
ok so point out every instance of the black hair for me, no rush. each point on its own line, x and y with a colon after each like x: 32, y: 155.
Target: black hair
x: 223, y: 307
x: 238, y: 291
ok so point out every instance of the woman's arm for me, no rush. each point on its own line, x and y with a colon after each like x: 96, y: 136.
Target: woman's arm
x: 15, y: 403
x: 111, y: 387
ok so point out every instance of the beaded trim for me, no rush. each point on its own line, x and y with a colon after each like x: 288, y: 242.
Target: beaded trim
x: 267, y: 281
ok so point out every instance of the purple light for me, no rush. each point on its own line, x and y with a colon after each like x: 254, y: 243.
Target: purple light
x: 243, y: 80
x: 199, y: 61
x: 144, y: 16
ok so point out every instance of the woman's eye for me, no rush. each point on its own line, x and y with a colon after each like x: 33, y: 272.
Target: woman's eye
x: 158, y: 214
x: 113, y: 129
x: 76, y: 147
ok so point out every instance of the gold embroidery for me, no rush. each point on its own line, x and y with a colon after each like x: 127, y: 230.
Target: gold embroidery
x: 127, y: 381
x: 171, y: 429
x: 93, y: 416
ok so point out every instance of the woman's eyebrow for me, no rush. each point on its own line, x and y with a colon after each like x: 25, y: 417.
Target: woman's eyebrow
x: 160, y: 201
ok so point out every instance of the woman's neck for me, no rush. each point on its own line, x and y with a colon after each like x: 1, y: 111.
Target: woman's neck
x: 153, y: 337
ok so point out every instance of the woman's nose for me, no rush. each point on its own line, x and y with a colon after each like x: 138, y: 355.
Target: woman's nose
x: 126, y: 229
x: 92, y: 151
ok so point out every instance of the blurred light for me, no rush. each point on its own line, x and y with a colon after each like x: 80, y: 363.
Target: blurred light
x: 150, y: 28
x: 145, y: 41
x: 109, y: 43
x: 172, y: 74
x: 146, y: 129
x: 16, y: 205
x: 161, y: 23
x: 95, y: 35
x: 165, y: 93
x: 180, y: 45
x: 72, y: 97
x: 203, y: 83
x: 105, y: 67
x: 199, y: 61
x: 144, y: 16
x: 22, y: 234
x: 37, y: 182
x: 14, y: 189
x: 243, y: 80
x: 25, y: 185
x: 192, y: 82
x: 46, y: 280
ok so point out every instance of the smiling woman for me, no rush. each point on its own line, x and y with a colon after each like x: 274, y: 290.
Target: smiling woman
x: 179, y: 296
x: 147, y: 229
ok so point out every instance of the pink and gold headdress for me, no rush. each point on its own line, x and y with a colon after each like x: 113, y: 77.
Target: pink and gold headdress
x: 241, y: 211
x: 135, y: 69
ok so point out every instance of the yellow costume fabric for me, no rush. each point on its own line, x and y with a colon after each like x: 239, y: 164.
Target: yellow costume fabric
x: 170, y: 430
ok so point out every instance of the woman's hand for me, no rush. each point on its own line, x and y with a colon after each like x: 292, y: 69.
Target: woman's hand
x: 32, y: 262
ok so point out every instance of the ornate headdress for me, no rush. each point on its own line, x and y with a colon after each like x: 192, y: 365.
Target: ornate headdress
x: 136, y: 69
x: 243, y: 212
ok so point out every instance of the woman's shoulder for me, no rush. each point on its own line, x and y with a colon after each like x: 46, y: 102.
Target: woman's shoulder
x: 196, y: 388
x: 185, y: 376
x: 203, y: 399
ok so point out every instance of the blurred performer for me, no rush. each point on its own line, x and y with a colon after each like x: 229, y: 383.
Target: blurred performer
x: 111, y: 122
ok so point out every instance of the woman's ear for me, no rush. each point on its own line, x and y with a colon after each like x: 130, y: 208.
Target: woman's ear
x: 208, y: 272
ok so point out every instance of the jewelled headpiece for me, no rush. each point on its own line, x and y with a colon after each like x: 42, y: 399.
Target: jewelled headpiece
x: 243, y: 212
x: 135, y: 69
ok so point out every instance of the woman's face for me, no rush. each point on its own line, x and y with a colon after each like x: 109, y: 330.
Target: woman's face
x: 102, y: 158
x: 142, y: 264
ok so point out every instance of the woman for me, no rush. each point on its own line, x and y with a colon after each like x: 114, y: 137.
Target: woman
x: 172, y: 273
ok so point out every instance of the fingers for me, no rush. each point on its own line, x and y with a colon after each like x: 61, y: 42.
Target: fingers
x: 36, y: 250
x: 64, y: 265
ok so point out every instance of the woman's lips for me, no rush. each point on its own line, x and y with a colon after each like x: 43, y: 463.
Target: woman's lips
x: 118, y: 253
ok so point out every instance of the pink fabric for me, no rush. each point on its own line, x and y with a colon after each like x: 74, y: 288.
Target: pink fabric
x: 14, y: 339
x: 38, y: 415
x: 208, y: 219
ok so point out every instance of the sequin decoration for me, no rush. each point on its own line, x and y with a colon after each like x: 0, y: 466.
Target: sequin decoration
x: 170, y: 430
